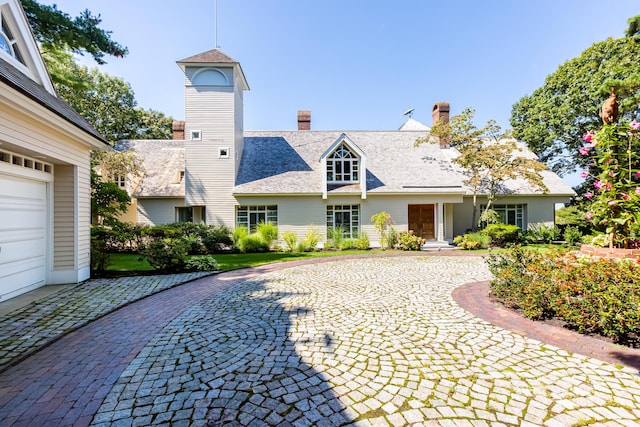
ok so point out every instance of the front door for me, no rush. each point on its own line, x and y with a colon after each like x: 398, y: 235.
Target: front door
x: 421, y: 220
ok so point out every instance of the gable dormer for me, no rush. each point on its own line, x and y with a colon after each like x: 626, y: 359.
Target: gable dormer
x: 344, y: 163
x: 18, y: 47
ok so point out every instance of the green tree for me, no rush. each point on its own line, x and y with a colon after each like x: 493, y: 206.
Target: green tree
x: 554, y: 117
x: 55, y: 29
x: 488, y: 157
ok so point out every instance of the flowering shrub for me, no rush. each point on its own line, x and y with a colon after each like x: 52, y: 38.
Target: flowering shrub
x: 593, y: 295
x: 615, y: 201
x: 407, y: 241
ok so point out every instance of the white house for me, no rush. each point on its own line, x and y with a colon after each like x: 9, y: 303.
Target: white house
x: 44, y: 169
x: 215, y: 172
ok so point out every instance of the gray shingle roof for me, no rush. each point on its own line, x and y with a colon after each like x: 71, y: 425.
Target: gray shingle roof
x: 162, y: 163
x: 23, y: 84
x: 288, y: 162
x: 215, y: 56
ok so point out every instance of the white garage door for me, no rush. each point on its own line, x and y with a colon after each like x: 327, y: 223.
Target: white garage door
x: 22, y: 235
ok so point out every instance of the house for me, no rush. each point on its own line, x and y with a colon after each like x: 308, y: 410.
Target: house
x: 44, y: 169
x: 215, y: 172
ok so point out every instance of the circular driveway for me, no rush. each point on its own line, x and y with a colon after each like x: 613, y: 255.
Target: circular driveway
x: 375, y: 341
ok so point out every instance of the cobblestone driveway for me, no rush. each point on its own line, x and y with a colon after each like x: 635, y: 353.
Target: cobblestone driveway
x: 367, y: 341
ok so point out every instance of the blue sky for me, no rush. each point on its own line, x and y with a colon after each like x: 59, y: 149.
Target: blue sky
x: 356, y: 64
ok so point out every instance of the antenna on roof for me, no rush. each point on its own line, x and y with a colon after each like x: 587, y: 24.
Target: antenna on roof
x: 215, y: 23
x: 409, y: 112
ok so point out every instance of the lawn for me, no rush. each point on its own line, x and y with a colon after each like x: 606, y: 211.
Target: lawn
x: 136, y: 263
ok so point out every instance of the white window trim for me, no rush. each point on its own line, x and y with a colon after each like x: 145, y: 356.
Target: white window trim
x: 224, y: 153
x: 195, y: 135
x: 362, y: 166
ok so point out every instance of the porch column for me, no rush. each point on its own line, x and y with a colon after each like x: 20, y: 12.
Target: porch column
x: 440, y: 219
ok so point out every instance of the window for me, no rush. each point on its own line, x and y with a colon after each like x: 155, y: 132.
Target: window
x: 510, y: 214
x: 342, y: 166
x: 184, y: 214
x: 8, y: 43
x: 346, y: 217
x: 251, y: 216
x: 223, y: 153
x: 196, y: 135
x: 193, y: 214
x: 121, y: 181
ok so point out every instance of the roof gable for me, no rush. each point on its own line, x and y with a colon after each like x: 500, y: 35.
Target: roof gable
x: 20, y: 48
x: 215, y: 58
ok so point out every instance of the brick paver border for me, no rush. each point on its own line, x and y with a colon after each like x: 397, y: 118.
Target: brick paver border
x: 475, y: 298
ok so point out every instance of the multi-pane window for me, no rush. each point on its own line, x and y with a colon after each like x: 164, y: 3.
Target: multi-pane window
x: 346, y: 217
x: 251, y: 216
x: 121, y: 181
x: 8, y: 43
x: 193, y: 214
x: 510, y: 214
x: 342, y: 166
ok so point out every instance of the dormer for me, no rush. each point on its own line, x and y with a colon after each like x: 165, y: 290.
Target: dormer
x: 344, y: 164
x: 17, y: 46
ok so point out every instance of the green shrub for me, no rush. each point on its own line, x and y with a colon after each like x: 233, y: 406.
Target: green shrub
x: 239, y: 233
x: 335, y: 236
x: 167, y: 255
x: 502, y: 234
x: 100, y: 254
x: 268, y: 232
x: 347, y: 244
x: 311, y: 239
x: 593, y: 296
x: 202, y: 263
x: 252, y: 243
x: 473, y: 241
x: 542, y: 233
x: 290, y: 239
x: 391, y: 239
x: 572, y: 235
x: 362, y: 242
x: 407, y: 241
x: 216, y: 238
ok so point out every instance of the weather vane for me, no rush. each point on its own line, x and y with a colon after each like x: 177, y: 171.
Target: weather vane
x: 409, y: 113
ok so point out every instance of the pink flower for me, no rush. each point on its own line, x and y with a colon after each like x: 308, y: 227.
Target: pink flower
x: 584, y: 151
x: 584, y: 174
x: 604, y: 222
x: 588, y: 195
x: 625, y: 196
x: 634, y: 125
x: 637, y: 190
x: 612, y: 202
x: 637, y: 174
x: 598, y: 184
x: 588, y: 215
x: 588, y: 137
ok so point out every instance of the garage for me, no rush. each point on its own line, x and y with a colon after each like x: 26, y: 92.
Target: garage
x: 23, y: 235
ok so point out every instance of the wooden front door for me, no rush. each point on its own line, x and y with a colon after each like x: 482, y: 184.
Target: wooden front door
x: 421, y: 220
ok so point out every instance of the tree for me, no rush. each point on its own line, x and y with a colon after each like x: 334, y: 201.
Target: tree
x: 554, y: 117
x: 55, y: 29
x: 489, y: 158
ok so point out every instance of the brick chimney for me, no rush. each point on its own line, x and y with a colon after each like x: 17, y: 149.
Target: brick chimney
x: 304, y: 120
x: 177, y: 129
x: 440, y: 112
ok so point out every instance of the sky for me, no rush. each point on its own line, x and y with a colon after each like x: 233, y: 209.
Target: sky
x: 358, y: 64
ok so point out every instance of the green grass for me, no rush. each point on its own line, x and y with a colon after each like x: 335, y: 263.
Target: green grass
x: 135, y: 262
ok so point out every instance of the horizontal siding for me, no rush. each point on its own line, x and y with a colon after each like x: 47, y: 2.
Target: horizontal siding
x: 210, y: 111
x: 157, y: 211
x: 540, y: 210
x: 209, y: 182
x: 84, y: 214
x: 64, y: 221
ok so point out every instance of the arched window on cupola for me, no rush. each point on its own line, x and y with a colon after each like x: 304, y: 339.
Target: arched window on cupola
x: 209, y: 77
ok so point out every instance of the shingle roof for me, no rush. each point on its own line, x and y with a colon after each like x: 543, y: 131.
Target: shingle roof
x: 210, y: 56
x: 162, y: 162
x: 288, y: 162
x: 23, y: 84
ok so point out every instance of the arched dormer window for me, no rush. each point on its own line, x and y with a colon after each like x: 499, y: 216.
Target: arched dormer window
x: 343, y: 166
x: 8, y: 43
x: 209, y: 77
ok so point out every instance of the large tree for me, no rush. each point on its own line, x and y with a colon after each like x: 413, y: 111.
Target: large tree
x: 489, y: 158
x: 554, y: 117
x: 54, y: 29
